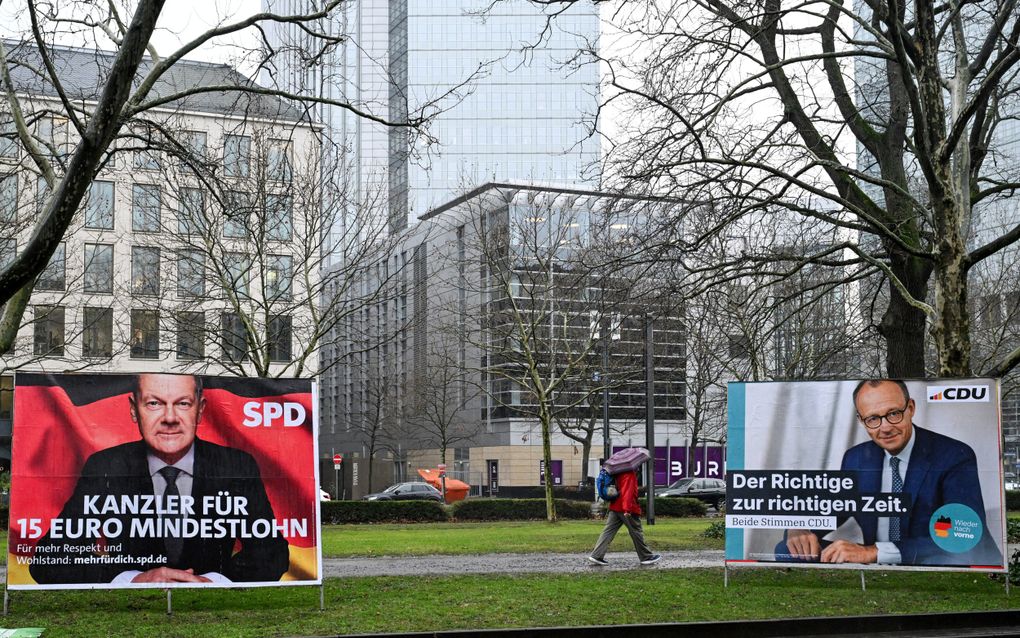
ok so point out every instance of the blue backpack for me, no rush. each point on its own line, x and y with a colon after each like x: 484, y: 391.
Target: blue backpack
x: 605, y: 487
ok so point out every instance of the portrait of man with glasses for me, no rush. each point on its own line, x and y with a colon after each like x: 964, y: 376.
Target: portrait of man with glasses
x: 934, y: 469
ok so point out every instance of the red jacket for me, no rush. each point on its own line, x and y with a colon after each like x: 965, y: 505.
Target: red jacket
x: 626, y: 502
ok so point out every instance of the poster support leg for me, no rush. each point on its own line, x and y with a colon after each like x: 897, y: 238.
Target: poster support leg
x: 7, y: 598
x: 322, y: 597
x: 864, y: 587
x: 169, y: 603
x: 725, y: 576
x: 1006, y: 579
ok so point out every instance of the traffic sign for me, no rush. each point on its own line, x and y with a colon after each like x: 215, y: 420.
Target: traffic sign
x: 338, y: 459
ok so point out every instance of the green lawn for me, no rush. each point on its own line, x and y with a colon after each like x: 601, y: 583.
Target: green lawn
x: 504, y: 537
x: 457, y: 602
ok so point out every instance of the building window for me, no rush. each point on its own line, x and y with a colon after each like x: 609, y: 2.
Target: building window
x: 191, y: 217
x: 278, y: 167
x: 48, y: 331
x: 98, y: 268
x: 278, y: 277
x: 237, y: 267
x: 8, y: 140
x: 279, y: 217
x: 191, y: 273
x: 190, y: 335
x: 236, y: 155
x: 8, y: 251
x: 99, y: 206
x: 194, y: 143
x: 53, y: 276
x: 147, y: 159
x: 144, y: 270
x: 144, y: 334
x: 42, y: 192
x: 236, y: 211
x: 145, y: 208
x: 235, y: 343
x: 279, y: 338
x: 97, y: 336
x: 8, y: 199
x: 52, y: 132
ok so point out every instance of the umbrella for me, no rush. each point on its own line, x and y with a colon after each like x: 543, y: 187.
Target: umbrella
x: 627, y: 460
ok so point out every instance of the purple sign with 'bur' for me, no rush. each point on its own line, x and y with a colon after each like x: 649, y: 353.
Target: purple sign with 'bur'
x: 672, y: 463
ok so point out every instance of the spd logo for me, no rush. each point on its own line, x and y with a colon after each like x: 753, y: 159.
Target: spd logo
x: 958, y: 394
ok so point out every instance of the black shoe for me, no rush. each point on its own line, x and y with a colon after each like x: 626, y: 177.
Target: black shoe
x: 651, y: 560
x: 597, y: 561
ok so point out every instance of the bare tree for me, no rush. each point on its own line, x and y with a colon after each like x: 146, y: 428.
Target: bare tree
x: 130, y: 86
x: 439, y: 399
x: 546, y: 295
x: 882, y: 121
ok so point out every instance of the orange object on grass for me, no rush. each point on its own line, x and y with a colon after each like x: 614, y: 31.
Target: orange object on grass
x: 456, y: 490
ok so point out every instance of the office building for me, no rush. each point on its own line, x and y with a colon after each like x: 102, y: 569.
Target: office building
x: 488, y: 288
x: 504, y: 84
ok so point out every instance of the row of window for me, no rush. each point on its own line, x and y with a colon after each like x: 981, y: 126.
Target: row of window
x: 241, y: 218
x: 192, y: 271
x: 237, y: 149
x: 189, y: 330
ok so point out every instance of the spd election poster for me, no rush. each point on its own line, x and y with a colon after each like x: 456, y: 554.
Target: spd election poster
x: 876, y: 473
x: 163, y: 480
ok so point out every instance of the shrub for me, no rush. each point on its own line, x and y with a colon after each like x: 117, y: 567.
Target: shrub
x: 516, y: 509
x: 676, y: 507
x: 717, y: 529
x: 337, y: 512
x: 1012, y: 500
x: 1013, y: 530
x: 1014, y: 568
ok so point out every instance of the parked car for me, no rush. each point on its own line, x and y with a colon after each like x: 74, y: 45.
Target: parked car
x: 407, y: 492
x: 711, y: 491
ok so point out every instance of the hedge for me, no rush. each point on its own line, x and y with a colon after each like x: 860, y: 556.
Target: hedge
x: 516, y: 509
x: 1012, y: 500
x: 337, y: 512
x: 679, y: 507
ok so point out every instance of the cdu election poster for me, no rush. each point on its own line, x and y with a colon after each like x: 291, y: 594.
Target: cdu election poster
x: 877, y: 473
x: 163, y: 480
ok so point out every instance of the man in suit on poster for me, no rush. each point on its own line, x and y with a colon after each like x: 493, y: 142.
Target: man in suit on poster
x: 934, y: 469
x: 179, y: 472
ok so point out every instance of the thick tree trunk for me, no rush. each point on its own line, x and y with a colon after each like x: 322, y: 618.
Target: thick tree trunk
x: 951, y: 329
x: 903, y: 325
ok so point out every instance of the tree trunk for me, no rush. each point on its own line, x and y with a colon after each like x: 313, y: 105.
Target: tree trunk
x: 550, y: 504
x: 903, y: 325
x: 951, y: 329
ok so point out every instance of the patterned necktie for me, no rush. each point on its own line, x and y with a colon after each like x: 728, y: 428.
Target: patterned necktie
x: 174, y: 545
x: 897, y: 486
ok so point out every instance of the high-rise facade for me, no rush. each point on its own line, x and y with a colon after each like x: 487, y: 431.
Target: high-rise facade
x: 508, y: 97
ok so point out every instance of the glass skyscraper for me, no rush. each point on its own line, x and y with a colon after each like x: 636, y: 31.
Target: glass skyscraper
x: 511, y: 99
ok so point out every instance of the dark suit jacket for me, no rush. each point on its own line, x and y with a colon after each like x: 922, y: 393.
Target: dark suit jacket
x: 124, y: 470
x: 942, y: 470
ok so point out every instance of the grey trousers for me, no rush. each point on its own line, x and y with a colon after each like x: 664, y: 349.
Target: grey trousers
x: 613, y: 522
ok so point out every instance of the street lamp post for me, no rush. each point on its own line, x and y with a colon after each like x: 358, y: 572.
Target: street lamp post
x: 605, y: 397
x: 650, y: 416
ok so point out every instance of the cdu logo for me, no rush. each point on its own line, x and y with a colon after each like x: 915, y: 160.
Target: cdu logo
x: 958, y: 393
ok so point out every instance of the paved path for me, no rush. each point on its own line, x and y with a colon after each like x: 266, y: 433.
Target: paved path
x: 509, y: 563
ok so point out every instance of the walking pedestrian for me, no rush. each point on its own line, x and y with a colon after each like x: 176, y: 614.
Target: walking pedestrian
x: 624, y: 510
